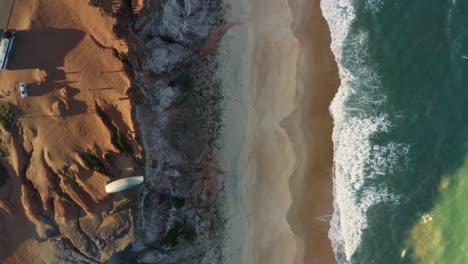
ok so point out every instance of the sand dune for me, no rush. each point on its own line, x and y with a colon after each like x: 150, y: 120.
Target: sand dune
x: 64, y: 51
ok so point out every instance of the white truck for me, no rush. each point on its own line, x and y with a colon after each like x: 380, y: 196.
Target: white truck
x: 5, y: 47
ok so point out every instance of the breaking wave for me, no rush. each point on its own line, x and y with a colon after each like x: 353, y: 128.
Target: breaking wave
x: 357, y: 160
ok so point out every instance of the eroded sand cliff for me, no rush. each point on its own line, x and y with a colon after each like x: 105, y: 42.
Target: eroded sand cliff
x: 59, y: 153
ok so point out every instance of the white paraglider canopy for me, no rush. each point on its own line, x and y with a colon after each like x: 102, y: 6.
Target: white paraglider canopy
x: 124, y: 184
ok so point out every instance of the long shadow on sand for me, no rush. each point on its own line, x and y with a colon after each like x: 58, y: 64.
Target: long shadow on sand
x: 44, y: 49
x: 40, y: 89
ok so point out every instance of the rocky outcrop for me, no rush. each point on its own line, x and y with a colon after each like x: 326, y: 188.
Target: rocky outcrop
x: 180, y: 219
x: 171, y: 32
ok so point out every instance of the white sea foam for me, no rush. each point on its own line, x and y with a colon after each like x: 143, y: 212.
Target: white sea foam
x: 356, y: 160
x: 375, y: 5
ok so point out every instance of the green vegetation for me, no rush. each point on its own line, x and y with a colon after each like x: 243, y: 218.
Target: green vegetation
x: 61, y: 194
x: 198, y: 121
x: 178, y: 202
x: 136, y: 94
x: 71, y: 174
x: 175, y: 201
x: 3, y: 175
x: 185, y: 83
x: 184, y: 80
x: 6, y: 115
x: 91, y: 161
x: 117, y: 138
x: 122, y: 143
x: 122, y: 56
x: 173, y: 235
x: 189, y: 232
x: 3, y: 152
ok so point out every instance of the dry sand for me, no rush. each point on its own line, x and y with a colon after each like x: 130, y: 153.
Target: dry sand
x: 280, y: 77
x: 63, y: 51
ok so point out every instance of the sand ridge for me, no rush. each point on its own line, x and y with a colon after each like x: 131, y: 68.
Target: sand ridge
x: 65, y: 52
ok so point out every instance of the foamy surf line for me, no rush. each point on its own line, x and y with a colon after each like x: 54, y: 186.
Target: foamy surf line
x: 356, y: 159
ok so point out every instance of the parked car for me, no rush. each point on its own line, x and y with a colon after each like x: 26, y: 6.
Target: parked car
x: 23, y: 89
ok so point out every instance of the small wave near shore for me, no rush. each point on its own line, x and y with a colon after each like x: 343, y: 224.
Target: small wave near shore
x: 358, y: 161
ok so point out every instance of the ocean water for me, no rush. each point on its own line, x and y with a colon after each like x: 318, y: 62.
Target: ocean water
x: 400, y: 130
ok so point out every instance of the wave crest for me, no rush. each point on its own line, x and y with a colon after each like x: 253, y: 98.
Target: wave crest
x: 357, y: 160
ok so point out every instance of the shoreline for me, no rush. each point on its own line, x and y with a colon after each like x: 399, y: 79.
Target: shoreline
x: 283, y: 118
x: 311, y: 183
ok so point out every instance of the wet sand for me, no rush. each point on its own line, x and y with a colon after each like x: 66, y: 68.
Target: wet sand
x: 277, y: 153
x: 310, y: 129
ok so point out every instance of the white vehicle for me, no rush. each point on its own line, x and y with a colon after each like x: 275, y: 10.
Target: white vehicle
x: 5, y: 47
x: 23, y: 89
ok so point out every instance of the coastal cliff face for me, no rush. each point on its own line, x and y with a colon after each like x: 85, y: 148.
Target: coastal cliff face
x: 161, y: 56
x: 168, y: 33
x: 179, y: 114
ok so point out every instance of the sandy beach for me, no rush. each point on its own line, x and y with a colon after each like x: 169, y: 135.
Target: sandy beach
x: 277, y: 140
x: 311, y: 183
x: 279, y: 77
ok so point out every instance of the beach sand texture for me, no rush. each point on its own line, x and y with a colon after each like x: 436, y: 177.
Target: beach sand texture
x: 310, y: 129
x: 63, y: 51
x: 280, y: 156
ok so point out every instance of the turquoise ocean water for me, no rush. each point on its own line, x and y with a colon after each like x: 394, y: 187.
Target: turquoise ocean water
x: 401, y: 130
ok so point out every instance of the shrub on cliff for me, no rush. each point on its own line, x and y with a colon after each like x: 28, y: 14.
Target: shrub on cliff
x: 122, y: 143
x: 71, y: 174
x: 117, y: 138
x: 91, y: 161
x: 6, y: 115
x: 3, y: 175
x: 184, y: 80
x: 173, y: 235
